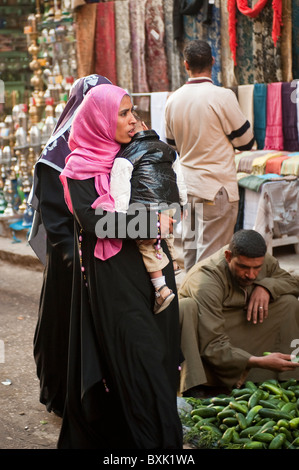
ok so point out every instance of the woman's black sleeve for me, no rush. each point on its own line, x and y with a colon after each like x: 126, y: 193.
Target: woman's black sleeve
x: 138, y: 223
x: 56, y: 217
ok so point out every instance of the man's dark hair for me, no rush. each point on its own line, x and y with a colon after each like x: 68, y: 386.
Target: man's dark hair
x: 198, y: 54
x: 248, y: 243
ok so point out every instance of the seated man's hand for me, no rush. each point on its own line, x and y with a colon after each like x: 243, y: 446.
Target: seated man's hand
x: 257, y: 309
x: 274, y: 361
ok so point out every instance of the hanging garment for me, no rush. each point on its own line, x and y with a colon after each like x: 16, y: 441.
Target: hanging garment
x: 286, y: 41
x: 245, y: 98
x: 105, y: 57
x: 260, y: 113
x: 123, y: 45
x: 156, y: 59
x: 85, y: 21
x: 289, y: 118
x: 274, y: 132
x: 242, y: 6
x: 172, y: 50
x: 295, y: 38
x: 137, y: 31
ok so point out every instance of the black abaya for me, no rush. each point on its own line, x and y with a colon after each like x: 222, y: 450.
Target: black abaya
x: 117, y: 343
x: 52, y: 329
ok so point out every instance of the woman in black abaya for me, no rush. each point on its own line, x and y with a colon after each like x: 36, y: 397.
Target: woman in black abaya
x: 52, y: 239
x: 123, y: 359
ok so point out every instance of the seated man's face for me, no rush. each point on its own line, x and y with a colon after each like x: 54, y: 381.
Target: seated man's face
x: 245, y: 270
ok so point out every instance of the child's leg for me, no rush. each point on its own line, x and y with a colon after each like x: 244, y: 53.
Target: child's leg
x: 154, y: 266
x: 172, y: 251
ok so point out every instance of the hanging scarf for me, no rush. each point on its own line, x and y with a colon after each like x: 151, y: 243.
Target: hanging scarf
x: 93, y: 150
x: 242, y: 6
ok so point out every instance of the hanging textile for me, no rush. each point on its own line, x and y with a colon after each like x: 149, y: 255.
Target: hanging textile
x: 105, y: 59
x: 123, y: 45
x: 227, y: 64
x: 137, y: 31
x: 196, y: 27
x: 289, y: 118
x: 245, y: 98
x: 172, y: 48
x: 260, y: 113
x: 274, y: 132
x: 286, y: 41
x: 156, y: 59
x: 295, y: 38
x: 242, y: 6
x: 208, y: 28
x: 85, y: 21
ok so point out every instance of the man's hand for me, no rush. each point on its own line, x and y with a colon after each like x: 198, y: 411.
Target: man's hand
x: 258, y: 305
x: 274, y: 361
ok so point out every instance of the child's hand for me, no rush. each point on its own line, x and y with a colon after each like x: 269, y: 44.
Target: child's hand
x: 166, y: 224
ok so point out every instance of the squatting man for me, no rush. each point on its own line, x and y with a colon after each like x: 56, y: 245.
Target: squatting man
x: 234, y: 306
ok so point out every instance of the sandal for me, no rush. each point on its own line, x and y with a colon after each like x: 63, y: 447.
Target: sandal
x: 164, y: 296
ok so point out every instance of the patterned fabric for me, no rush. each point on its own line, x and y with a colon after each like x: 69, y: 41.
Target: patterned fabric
x: 227, y: 63
x: 137, y: 31
x: 172, y: 48
x: 105, y: 58
x: 196, y: 28
x: 123, y: 45
x: 156, y: 60
x: 286, y: 41
x: 85, y: 21
x: 295, y: 38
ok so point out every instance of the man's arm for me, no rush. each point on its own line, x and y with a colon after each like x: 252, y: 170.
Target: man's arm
x: 236, y: 127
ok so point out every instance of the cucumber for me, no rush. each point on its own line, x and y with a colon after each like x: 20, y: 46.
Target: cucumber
x: 250, y: 431
x: 204, y: 412
x: 227, y: 436
x: 239, y: 407
x: 220, y: 401
x: 251, y: 385
x: 294, y: 423
x: 263, y: 437
x: 230, y: 422
x: 255, y: 398
x: 237, y: 392
x: 254, y: 445
x: 287, y: 433
x: 227, y: 413
x: 274, y: 414
x: 252, y: 413
x: 212, y: 430
x: 267, y: 426
x: 241, y: 421
x: 268, y: 404
x: 278, y: 441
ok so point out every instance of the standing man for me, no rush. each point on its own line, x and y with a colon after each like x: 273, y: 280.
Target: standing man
x: 205, y: 124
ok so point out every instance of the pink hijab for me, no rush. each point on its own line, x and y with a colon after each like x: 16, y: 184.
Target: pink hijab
x: 93, y: 150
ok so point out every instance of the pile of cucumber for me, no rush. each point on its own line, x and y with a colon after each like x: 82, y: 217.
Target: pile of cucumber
x: 256, y: 416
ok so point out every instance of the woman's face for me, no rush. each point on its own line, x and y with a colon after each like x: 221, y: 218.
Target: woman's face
x: 126, y: 121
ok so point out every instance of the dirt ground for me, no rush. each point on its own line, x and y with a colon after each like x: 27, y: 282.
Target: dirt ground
x: 24, y: 422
